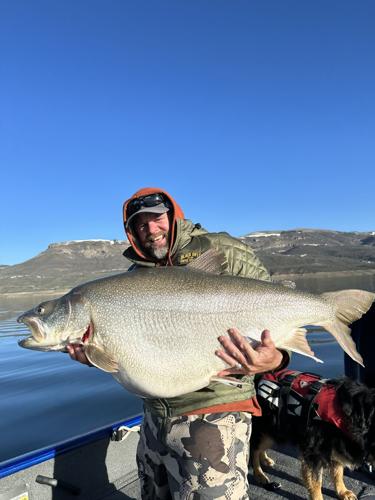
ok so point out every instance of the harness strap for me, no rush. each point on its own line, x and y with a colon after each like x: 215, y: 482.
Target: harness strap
x: 309, y: 408
x: 294, y: 403
x: 285, y: 388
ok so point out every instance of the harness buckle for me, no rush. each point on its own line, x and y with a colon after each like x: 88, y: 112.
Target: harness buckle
x: 123, y: 432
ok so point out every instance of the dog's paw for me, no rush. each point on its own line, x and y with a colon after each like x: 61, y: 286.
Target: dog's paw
x: 267, y: 461
x: 272, y: 486
x: 347, y: 495
x: 262, y: 480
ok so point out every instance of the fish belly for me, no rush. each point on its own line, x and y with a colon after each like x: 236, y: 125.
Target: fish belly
x: 166, y: 352
x: 162, y: 327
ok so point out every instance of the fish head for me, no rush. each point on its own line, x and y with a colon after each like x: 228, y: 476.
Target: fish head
x: 56, y: 323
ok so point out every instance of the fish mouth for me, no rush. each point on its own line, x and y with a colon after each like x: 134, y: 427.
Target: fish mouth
x: 31, y: 343
x: 34, y: 325
x: 38, y: 340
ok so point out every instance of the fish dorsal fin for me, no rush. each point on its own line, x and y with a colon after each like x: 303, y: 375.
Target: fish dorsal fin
x: 99, y: 358
x: 212, y: 261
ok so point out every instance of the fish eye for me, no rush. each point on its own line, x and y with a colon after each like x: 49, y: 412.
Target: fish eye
x: 40, y: 310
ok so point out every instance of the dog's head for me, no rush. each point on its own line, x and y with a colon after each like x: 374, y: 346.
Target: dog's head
x: 358, y: 406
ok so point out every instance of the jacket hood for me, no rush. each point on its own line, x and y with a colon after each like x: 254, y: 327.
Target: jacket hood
x: 174, y: 213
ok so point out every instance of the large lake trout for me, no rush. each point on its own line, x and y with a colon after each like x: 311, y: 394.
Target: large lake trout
x: 156, y: 329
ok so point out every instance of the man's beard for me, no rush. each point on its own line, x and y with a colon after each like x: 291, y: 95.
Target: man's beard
x: 158, y: 253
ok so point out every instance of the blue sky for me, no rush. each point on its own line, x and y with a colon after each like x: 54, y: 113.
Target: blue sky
x: 255, y: 115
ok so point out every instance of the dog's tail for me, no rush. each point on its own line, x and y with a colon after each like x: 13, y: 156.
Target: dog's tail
x: 349, y: 306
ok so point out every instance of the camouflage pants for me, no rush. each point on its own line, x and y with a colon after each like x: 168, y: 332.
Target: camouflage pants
x: 194, y: 457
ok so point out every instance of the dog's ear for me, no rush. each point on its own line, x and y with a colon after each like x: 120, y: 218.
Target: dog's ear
x: 346, y: 390
x: 358, y: 405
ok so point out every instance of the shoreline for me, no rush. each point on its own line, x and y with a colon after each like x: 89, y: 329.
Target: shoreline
x: 45, y: 293
x: 320, y: 279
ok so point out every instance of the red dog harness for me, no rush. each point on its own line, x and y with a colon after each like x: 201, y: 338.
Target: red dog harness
x: 303, y: 395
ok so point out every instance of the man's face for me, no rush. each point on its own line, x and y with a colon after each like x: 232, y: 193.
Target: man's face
x: 152, y: 231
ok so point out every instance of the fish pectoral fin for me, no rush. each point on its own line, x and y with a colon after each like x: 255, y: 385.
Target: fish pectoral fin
x: 212, y: 261
x: 297, y: 343
x: 99, y: 358
x: 234, y: 382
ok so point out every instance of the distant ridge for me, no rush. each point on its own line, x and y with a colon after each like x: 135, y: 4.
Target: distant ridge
x: 316, y: 259
x: 64, y: 265
x: 301, y: 251
x: 74, y: 242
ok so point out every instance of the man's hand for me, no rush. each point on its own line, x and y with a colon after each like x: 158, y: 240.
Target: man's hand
x: 246, y: 360
x: 77, y: 353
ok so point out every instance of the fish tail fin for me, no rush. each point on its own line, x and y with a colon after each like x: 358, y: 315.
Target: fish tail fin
x: 349, y: 306
x: 298, y: 343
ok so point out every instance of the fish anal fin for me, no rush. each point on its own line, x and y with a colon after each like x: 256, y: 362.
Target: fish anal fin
x: 297, y: 342
x: 234, y: 382
x: 341, y: 332
x: 349, y: 306
x: 99, y: 358
x: 212, y: 261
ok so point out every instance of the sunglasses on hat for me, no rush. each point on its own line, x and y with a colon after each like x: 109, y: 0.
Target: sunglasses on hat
x: 150, y: 200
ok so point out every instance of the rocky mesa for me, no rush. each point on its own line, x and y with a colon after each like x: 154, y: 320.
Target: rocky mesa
x: 318, y: 260
x: 315, y: 260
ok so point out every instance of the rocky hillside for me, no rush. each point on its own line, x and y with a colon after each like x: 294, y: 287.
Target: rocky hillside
x: 64, y: 265
x: 316, y: 260
x: 309, y: 251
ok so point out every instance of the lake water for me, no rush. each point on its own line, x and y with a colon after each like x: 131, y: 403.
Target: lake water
x: 47, y: 398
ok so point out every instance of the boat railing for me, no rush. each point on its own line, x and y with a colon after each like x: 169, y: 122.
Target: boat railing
x: 115, y: 431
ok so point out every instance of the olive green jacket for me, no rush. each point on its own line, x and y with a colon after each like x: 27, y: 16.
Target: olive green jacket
x: 190, y: 242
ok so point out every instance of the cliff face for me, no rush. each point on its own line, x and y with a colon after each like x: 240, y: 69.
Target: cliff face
x: 65, y: 265
x: 316, y: 260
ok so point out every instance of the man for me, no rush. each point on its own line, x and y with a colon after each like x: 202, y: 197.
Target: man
x: 196, y: 446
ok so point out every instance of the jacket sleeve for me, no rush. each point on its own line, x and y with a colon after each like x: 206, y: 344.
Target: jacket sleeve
x: 241, y: 259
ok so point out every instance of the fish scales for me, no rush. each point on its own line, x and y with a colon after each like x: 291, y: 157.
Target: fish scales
x: 156, y: 330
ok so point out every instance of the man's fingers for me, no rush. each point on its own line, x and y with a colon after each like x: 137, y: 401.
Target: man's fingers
x: 229, y: 360
x: 232, y: 353
x: 243, y: 345
x: 77, y: 353
x: 71, y: 351
x: 243, y: 358
x: 266, y: 339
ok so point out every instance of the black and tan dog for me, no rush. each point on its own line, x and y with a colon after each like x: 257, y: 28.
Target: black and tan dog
x: 332, y: 422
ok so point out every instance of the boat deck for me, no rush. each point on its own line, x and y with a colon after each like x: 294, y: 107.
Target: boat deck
x: 106, y: 470
x: 286, y: 473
